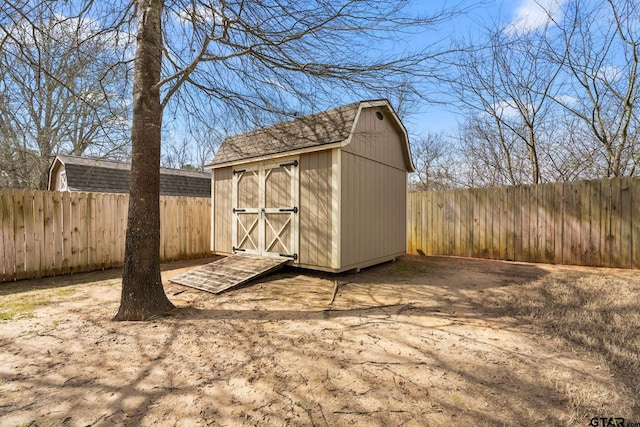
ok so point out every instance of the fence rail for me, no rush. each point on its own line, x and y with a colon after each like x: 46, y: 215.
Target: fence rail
x: 49, y: 233
x: 593, y: 223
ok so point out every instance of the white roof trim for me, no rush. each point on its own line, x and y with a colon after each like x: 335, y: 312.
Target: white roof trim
x: 277, y: 155
x: 387, y: 105
x: 56, y: 160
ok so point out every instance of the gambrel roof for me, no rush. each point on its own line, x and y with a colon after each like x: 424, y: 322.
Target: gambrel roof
x: 309, y: 133
x: 106, y: 176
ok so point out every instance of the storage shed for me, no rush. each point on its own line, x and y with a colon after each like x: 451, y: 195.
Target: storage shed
x: 326, y: 191
x: 72, y: 173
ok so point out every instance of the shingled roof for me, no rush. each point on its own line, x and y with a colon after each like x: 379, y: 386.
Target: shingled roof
x: 97, y: 175
x: 315, y: 130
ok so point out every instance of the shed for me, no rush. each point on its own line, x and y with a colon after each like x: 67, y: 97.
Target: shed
x: 72, y: 173
x: 326, y: 191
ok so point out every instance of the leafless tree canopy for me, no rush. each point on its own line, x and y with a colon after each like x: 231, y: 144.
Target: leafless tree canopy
x: 62, y: 89
x: 553, y: 103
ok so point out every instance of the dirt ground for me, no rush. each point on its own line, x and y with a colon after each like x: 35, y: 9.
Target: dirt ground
x: 423, y: 341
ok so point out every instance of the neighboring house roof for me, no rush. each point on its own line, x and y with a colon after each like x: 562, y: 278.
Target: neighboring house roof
x: 308, y: 133
x: 97, y: 175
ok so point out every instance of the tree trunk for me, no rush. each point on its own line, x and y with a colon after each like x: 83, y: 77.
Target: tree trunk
x: 142, y: 292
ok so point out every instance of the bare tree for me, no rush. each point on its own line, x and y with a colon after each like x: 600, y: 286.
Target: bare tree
x: 490, y: 157
x: 509, y: 81
x: 193, y: 150
x: 599, y: 50
x: 434, y: 163
x: 61, y: 90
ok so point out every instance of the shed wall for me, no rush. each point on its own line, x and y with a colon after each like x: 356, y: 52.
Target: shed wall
x: 221, y: 197
x: 373, y: 211
x: 316, y: 194
x: 379, y: 140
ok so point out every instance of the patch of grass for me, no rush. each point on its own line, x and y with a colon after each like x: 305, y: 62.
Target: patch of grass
x: 406, y: 268
x: 596, y: 313
x: 22, y: 306
x: 456, y: 398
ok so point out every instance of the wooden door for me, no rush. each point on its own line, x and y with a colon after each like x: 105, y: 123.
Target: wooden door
x: 265, y: 209
x: 245, y: 233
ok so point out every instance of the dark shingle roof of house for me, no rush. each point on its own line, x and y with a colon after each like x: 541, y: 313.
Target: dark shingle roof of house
x: 309, y: 131
x: 96, y: 175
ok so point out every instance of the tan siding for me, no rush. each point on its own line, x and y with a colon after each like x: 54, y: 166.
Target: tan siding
x: 373, y: 211
x: 315, y: 209
x: 379, y: 140
x: 222, y: 210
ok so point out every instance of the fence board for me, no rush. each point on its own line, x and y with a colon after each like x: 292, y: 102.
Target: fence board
x: 481, y: 214
x: 413, y: 243
x: 584, y: 222
x: 93, y: 241
x: 530, y: 228
x: 48, y: 231
x: 2, y: 239
x: 635, y: 226
x: 39, y: 252
x: 420, y: 216
x: 109, y: 254
x: 31, y: 257
x: 548, y: 209
x: 8, y: 244
x: 57, y: 237
x: 615, y: 228
x: 123, y: 215
x: 18, y: 236
x: 594, y: 222
x: 113, y: 254
x: 625, y: 224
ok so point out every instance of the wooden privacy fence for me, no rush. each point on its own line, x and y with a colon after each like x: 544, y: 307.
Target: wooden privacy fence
x: 48, y: 233
x: 594, y: 223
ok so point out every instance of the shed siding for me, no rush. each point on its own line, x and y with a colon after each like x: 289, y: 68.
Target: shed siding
x: 379, y: 140
x: 373, y: 214
x: 221, y: 238
x: 315, y: 209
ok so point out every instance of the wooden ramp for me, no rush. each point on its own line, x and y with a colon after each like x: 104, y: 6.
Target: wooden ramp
x: 229, y: 272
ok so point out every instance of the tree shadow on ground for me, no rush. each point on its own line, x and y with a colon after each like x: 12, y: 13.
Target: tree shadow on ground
x: 400, y: 344
x: 455, y: 290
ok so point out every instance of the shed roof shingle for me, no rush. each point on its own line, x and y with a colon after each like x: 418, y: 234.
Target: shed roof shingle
x: 319, y: 129
x: 97, y: 175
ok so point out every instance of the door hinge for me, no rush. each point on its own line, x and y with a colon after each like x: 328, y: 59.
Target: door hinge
x: 292, y: 256
x: 238, y: 249
x: 294, y: 209
x: 293, y: 163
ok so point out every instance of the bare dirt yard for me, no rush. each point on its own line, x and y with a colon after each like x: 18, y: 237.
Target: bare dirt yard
x: 423, y: 341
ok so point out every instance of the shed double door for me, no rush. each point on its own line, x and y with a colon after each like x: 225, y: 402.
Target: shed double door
x: 265, y: 209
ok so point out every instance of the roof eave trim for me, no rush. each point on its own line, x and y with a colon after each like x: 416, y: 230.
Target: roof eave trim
x: 299, y: 151
x: 56, y: 160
